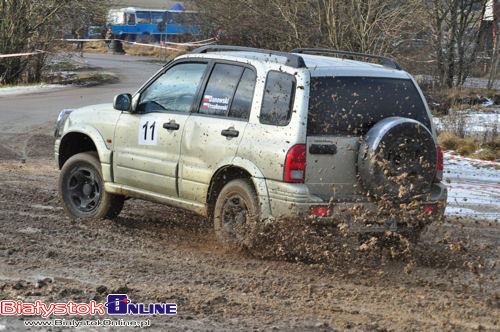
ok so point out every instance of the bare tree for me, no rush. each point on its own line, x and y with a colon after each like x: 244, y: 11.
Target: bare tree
x: 28, y: 25
x: 457, y: 38
x: 370, y: 26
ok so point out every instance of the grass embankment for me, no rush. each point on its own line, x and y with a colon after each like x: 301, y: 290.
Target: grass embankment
x: 470, y: 147
x: 65, y: 72
x: 100, y: 47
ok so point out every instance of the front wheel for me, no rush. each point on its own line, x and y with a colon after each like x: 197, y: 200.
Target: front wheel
x: 81, y: 189
x: 237, y: 214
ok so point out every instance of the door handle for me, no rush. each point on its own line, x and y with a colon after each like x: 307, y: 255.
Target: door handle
x: 322, y: 149
x: 230, y: 133
x: 171, y: 126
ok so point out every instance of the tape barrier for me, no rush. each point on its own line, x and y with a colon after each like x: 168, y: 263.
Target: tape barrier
x: 198, y: 43
x: 471, y: 187
x: 453, y: 156
x: 420, y: 61
x: 21, y: 54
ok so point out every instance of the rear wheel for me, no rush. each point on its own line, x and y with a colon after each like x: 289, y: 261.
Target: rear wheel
x: 237, y: 214
x: 81, y: 189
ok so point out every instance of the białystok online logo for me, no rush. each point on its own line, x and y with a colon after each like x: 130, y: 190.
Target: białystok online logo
x: 117, y: 304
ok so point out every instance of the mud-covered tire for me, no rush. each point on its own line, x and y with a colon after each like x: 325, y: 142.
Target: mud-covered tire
x: 397, y: 159
x: 81, y: 189
x: 237, y: 214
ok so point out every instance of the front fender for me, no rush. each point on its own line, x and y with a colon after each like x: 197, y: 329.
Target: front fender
x: 104, y: 152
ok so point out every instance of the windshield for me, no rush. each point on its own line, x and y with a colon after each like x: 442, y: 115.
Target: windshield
x: 116, y: 17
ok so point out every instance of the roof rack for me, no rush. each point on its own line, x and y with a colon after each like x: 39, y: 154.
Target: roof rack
x: 388, y: 62
x: 292, y: 60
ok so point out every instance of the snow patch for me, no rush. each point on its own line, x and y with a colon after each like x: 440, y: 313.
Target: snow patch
x: 470, y: 122
x: 20, y: 90
x: 483, y: 203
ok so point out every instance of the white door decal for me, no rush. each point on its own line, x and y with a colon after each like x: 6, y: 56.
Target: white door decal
x: 148, y: 131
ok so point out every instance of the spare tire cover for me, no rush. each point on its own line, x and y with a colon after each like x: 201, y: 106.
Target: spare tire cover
x: 397, y: 158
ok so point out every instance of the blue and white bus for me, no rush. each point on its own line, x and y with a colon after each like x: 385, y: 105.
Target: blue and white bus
x: 142, y: 24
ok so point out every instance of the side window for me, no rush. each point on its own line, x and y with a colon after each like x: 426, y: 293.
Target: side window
x: 156, y: 17
x: 175, y: 90
x: 242, y: 103
x: 131, y: 19
x: 143, y: 17
x: 278, y: 100
x: 220, y: 89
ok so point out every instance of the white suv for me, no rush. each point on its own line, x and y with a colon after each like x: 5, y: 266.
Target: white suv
x: 248, y: 136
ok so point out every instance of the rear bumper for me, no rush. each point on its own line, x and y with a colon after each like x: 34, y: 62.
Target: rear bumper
x: 289, y: 200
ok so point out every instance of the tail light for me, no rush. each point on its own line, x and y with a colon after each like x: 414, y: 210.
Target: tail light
x: 295, y: 164
x: 439, y: 168
x: 430, y: 209
x: 320, y: 211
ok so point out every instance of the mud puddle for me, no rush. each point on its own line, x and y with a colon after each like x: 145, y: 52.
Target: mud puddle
x: 154, y: 253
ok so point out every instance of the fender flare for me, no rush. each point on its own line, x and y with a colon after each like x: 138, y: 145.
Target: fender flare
x: 260, y: 185
x: 105, y: 154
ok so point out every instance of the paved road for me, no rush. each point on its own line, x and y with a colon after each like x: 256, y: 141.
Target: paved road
x: 21, y: 111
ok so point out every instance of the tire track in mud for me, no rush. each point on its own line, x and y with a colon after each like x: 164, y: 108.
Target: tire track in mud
x: 156, y: 253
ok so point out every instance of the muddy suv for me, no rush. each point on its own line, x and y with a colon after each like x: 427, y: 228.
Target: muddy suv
x: 248, y: 136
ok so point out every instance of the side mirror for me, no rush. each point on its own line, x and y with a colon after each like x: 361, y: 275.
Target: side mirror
x: 123, y: 102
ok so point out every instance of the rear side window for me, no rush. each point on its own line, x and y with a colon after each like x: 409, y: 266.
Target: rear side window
x: 220, y: 89
x: 242, y: 103
x: 352, y: 105
x: 278, y: 99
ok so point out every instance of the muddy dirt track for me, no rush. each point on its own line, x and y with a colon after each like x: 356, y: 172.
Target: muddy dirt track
x: 449, y: 281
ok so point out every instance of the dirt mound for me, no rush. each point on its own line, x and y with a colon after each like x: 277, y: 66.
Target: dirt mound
x: 7, y: 154
x: 40, y: 146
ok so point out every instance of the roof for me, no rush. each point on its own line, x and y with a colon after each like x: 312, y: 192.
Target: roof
x: 177, y: 7
x: 316, y: 64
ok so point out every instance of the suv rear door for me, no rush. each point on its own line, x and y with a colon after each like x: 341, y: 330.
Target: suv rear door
x: 341, y: 111
x: 213, y: 134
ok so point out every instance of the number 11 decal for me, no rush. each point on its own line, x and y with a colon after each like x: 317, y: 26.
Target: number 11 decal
x: 147, y: 131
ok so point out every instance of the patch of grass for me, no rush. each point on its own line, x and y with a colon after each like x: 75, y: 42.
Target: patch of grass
x: 463, y: 146
x: 91, y: 79
x: 467, y: 147
x: 491, y: 166
x: 100, y: 47
x: 470, y: 147
x: 489, y: 150
x: 64, y: 66
x: 85, y: 79
x: 449, y: 141
x: 442, y: 100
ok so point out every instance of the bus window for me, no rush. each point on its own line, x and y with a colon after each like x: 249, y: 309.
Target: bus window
x: 156, y: 17
x: 173, y: 18
x: 143, y: 17
x: 130, y: 19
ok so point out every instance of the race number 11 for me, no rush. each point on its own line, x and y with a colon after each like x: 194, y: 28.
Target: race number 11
x: 148, y: 131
